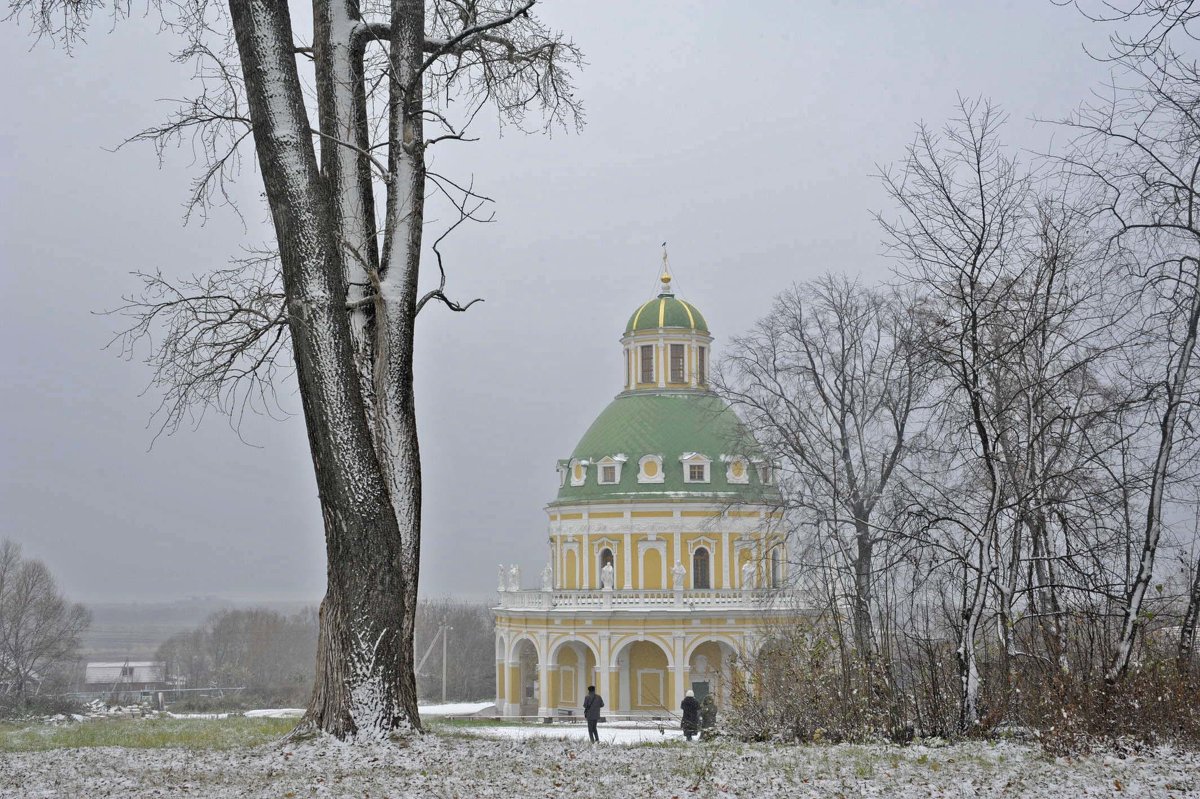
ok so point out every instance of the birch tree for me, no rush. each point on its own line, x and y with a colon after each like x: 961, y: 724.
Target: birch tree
x: 347, y: 194
x: 1141, y: 148
x: 960, y: 203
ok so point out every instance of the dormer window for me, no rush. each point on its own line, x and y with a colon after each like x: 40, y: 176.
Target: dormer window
x: 564, y: 469
x: 677, y: 356
x: 766, y: 475
x: 695, y: 467
x: 650, y: 469
x: 646, y: 358
x: 578, y: 472
x: 608, y: 469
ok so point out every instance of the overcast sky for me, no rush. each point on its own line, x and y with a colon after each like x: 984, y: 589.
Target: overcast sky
x: 744, y: 134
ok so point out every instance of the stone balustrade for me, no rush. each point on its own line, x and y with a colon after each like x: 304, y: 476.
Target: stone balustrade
x: 664, y: 599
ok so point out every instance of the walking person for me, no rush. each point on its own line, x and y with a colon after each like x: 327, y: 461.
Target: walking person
x: 691, y: 715
x: 591, y: 711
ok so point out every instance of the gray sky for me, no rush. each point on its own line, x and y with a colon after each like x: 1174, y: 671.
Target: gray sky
x: 747, y: 140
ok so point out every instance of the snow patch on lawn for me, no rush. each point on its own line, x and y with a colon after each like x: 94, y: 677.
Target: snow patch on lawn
x: 454, y: 708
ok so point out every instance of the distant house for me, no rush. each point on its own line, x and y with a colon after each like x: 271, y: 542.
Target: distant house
x: 128, y: 678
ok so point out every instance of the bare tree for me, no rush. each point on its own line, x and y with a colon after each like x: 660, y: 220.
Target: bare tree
x: 1141, y: 148
x: 833, y: 385
x: 383, y: 75
x: 38, y: 626
x: 962, y: 203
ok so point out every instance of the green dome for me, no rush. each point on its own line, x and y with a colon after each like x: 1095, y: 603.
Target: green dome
x: 666, y: 310
x: 669, y: 425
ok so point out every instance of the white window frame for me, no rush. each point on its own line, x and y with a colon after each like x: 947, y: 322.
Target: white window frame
x: 689, y: 459
x: 614, y: 461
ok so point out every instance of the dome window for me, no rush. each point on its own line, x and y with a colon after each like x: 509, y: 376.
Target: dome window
x: 677, y: 363
x: 608, y: 469
x: 650, y: 469
x: 646, y: 358
x: 766, y: 474
x: 695, y: 467
x: 578, y: 472
x: 738, y: 470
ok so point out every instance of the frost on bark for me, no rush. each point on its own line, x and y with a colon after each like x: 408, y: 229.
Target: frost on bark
x: 389, y: 81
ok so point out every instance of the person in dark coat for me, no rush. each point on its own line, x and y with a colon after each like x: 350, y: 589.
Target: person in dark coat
x: 708, y: 717
x: 591, y: 711
x: 691, y: 715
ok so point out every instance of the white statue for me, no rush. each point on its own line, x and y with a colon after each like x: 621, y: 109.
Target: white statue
x: 677, y: 575
x: 748, y: 575
x: 514, y: 578
x: 548, y: 578
x: 606, y: 577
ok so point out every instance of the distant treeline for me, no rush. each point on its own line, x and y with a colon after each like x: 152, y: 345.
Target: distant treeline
x: 272, y: 656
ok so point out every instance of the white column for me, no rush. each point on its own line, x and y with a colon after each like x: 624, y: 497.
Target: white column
x: 680, y: 669
x: 676, y: 557
x: 728, y: 582
x: 585, y: 579
x: 543, y: 675
x: 628, y: 547
x: 604, y: 684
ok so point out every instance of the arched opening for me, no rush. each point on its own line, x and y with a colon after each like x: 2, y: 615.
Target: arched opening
x: 573, y: 668
x: 700, y: 575
x: 641, y: 680
x: 776, y: 567
x: 710, y: 672
x: 527, y: 695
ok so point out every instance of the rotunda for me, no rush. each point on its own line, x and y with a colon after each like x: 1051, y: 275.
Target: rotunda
x: 665, y: 558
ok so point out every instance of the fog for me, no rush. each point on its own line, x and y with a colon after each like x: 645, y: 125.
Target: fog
x: 747, y: 136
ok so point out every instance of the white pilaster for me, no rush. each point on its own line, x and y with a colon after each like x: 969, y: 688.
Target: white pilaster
x: 628, y: 549
x: 543, y: 697
x: 680, y: 670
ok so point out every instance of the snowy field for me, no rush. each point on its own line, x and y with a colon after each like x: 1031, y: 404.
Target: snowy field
x: 501, y: 761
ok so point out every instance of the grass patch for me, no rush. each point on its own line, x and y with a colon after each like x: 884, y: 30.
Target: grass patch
x: 231, y: 733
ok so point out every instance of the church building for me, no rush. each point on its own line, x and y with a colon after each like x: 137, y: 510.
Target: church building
x: 665, y: 553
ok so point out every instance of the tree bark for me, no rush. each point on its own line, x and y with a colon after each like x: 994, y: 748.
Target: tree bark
x: 362, y: 660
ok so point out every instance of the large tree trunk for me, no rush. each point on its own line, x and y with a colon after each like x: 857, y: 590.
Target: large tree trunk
x: 364, y: 683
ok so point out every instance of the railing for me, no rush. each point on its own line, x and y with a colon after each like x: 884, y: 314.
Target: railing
x: 644, y: 600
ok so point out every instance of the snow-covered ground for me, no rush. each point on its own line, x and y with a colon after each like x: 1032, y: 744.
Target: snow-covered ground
x: 453, y: 709
x: 452, y: 764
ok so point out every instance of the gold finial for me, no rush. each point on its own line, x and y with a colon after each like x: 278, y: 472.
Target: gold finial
x: 665, y: 277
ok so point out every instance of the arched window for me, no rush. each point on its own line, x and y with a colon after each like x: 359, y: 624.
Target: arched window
x: 700, y: 568
x: 776, y: 568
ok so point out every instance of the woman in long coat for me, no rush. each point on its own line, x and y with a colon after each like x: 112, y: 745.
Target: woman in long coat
x: 691, y: 715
